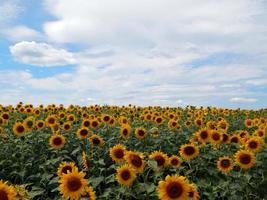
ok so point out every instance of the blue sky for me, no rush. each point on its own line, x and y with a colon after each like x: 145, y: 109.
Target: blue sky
x: 161, y: 52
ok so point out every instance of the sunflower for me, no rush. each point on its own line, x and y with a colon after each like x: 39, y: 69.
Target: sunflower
x: 83, y: 133
x: 51, y: 120
x: 234, y: 139
x: 67, y: 126
x: 203, y: 135
x: 96, y: 140
x: 5, y: 116
x: 248, y: 123
x: 172, y: 124
x: 71, y: 118
x: 211, y: 125
x: 106, y: 118
x: 29, y: 123
x: 86, y: 123
x: 254, y: 144
x: 193, y: 193
x: 245, y: 159
x: 215, y: 137
x: 65, y: 167
x: 57, y: 141
x: 225, y: 164
x: 175, y: 161
x: 125, y: 131
x: 259, y: 133
x: 73, y: 185
x: 159, y: 120
x: 117, y: 153
x: 7, y: 192
x: 198, y: 122
x: 243, y: 134
x: 40, y: 124
x: 125, y: 175
x: 173, y: 188
x: 19, y: 129
x: 225, y: 138
x: 140, y: 133
x: 222, y: 125
x: 94, y: 123
x: 160, y: 157
x: 189, y: 151
x: 85, y: 161
x: 154, y: 132
x: 135, y: 160
x: 89, y: 193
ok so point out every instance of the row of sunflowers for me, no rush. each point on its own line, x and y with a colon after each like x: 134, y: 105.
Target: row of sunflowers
x: 131, y: 152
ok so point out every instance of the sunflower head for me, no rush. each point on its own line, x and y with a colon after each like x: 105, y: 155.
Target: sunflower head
x: 7, y: 192
x: 189, y: 151
x: 39, y: 124
x: 216, y: 137
x: 254, y: 144
x: 193, y: 193
x: 51, y: 120
x: 203, y: 135
x: 225, y: 164
x: 140, y: 133
x: 65, y: 167
x: 83, y: 133
x: 245, y: 159
x: 135, y: 160
x: 57, y: 141
x: 67, y: 126
x: 161, y: 159
x: 125, y: 175
x: 19, y: 129
x: 125, y: 131
x: 73, y: 184
x: 175, y: 161
x: 89, y: 193
x: 173, y: 188
x: 96, y: 141
x: 117, y: 153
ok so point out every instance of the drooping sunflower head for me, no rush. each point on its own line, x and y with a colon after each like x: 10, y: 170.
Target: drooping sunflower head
x: 175, y: 161
x: 85, y: 161
x: 125, y: 131
x: 140, y: 133
x: 83, y: 133
x: 19, y: 129
x: 117, y: 153
x: 245, y: 159
x: 173, y: 188
x: 89, y: 193
x: 135, y: 160
x: 73, y: 185
x: 189, y: 151
x: 65, y: 167
x: 57, y: 141
x: 7, y: 192
x: 254, y: 144
x: 225, y: 164
x: 125, y: 175
x: 96, y: 140
x: 160, y: 157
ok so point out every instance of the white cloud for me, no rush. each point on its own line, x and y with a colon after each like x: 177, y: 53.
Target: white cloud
x: 9, y: 10
x: 243, y: 100
x: 20, y: 33
x: 258, y: 82
x: 41, y: 54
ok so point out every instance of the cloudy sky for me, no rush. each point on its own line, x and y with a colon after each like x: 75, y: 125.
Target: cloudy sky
x: 144, y: 52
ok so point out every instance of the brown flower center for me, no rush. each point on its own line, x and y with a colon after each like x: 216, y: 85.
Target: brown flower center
x: 174, y: 161
x: 141, y: 132
x: 96, y: 141
x: 174, y: 190
x: 57, y: 141
x: 225, y: 163
x: 3, y: 195
x: 204, y: 135
x: 216, y: 136
x: 189, y: 150
x: 253, y: 145
x: 74, y: 184
x: 119, y: 153
x: 136, y: 161
x: 245, y: 159
x: 125, y: 175
x: 160, y: 160
x: 20, y: 129
x: 84, y: 132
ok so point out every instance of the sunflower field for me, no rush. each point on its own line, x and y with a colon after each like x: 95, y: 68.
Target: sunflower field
x: 132, y: 153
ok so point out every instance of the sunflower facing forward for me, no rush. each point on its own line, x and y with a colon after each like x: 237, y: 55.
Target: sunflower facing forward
x: 135, y: 160
x: 19, y: 129
x: 161, y: 159
x: 73, y: 185
x: 125, y: 175
x: 57, y: 141
x: 254, y: 144
x: 65, y: 167
x: 173, y: 188
x: 189, y: 151
x: 7, y: 192
x: 245, y: 159
x: 225, y: 164
x: 175, y: 161
x: 117, y: 153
